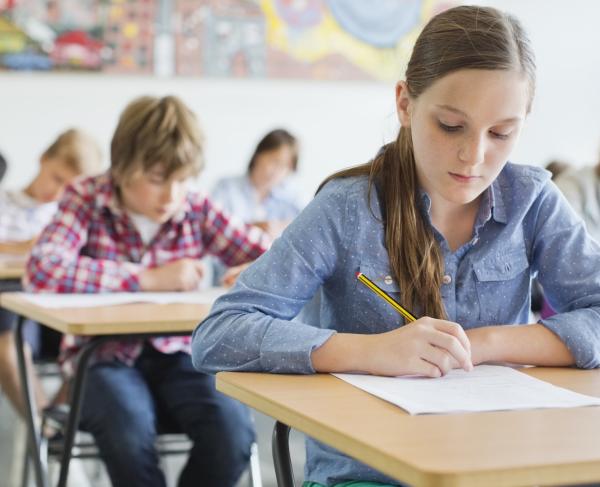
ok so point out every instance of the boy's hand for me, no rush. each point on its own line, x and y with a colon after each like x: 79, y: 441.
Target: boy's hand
x: 232, y: 274
x: 179, y: 275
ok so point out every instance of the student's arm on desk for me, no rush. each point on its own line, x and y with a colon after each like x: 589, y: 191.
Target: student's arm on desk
x: 427, y: 347
x: 567, y: 260
x: 251, y: 327
x: 532, y: 344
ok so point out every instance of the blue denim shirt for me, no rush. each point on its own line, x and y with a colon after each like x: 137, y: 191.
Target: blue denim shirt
x: 524, y: 227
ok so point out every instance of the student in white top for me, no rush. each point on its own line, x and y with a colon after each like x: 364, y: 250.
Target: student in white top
x: 23, y: 215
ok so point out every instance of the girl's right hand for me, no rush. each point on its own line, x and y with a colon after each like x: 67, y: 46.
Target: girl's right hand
x: 427, y: 347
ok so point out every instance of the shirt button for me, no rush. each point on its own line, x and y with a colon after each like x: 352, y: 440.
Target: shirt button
x: 388, y: 280
x: 447, y: 279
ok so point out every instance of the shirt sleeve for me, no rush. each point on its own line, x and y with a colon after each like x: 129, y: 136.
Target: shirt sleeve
x: 228, y: 238
x: 568, y: 263
x: 56, y: 263
x: 251, y: 327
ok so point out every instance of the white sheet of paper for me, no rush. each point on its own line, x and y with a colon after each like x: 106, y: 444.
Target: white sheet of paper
x: 83, y: 300
x: 486, y: 388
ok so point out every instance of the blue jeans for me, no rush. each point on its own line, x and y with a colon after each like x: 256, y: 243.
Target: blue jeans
x: 124, y: 406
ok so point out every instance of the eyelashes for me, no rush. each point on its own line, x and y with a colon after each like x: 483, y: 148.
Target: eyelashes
x: 449, y: 128
x: 457, y: 128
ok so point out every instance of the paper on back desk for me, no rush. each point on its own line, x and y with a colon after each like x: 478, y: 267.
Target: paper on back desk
x: 486, y: 388
x: 84, y: 300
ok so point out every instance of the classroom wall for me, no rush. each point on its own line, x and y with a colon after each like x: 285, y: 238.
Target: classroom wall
x: 339, y: 123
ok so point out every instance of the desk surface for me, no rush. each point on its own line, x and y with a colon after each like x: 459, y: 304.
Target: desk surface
x: 12, y: 267
x: 110, y: 320
x: 506, y: 448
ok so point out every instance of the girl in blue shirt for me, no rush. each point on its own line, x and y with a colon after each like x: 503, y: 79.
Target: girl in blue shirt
x: 441, y: 219
x: 266, y: 196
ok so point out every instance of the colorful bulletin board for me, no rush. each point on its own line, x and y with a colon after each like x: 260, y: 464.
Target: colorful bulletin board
x: 306, y: 39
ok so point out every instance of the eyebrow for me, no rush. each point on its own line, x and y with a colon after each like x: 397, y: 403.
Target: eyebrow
x: 460, y: 112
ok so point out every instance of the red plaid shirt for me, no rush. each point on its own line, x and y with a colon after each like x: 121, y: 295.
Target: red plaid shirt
x: 91, y: 246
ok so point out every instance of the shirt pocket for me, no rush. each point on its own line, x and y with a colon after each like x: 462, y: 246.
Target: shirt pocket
x: 502, y: 283
x: 378, y: 308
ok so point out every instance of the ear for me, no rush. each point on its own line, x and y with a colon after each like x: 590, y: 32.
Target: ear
x: 403, y: 103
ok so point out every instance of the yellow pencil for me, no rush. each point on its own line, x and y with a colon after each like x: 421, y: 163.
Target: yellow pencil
x: 408, y: 316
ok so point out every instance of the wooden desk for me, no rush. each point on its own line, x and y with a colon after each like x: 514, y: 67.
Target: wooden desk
x: 12, y: 267
x: 124, y: 319
x: 510, y: 448
x: 103, y: 323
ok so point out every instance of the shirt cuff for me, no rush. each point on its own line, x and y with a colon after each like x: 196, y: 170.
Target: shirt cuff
x: 131, y: 278
x: 581, y: 340
x: 287, y: 346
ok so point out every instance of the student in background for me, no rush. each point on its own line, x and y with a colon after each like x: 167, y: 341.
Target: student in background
x: 23, y: 215
x: 581, y: 187
x: 26, y: 212
x: 557, y: 167
x: 265, y: 196
x: 138, y: 227
x: 438, y: 218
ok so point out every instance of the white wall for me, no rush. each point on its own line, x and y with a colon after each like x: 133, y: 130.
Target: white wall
x: 339, y: 123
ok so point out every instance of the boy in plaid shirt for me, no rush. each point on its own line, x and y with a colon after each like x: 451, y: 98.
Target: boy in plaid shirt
x: 138, y: 228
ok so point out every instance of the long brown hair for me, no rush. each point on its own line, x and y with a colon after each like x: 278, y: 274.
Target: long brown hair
x: 463, y: 37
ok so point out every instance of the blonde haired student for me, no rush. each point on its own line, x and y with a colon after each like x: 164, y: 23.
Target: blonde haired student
x: 23, y: 215
x: 139, y: 227
x: 442, y: 221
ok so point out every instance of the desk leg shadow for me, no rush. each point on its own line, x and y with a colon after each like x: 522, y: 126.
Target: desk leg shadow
x: 281, y: 455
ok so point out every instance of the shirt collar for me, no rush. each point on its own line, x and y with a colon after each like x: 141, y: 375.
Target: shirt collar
x: 492, y: 205
x: 497, y: 201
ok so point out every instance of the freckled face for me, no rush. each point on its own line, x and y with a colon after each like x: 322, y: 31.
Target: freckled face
x: 464, y: 127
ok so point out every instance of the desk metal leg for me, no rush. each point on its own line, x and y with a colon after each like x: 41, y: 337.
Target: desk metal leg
x: 281, y: 455
x: 75, y: 409
x: 33, y: 431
